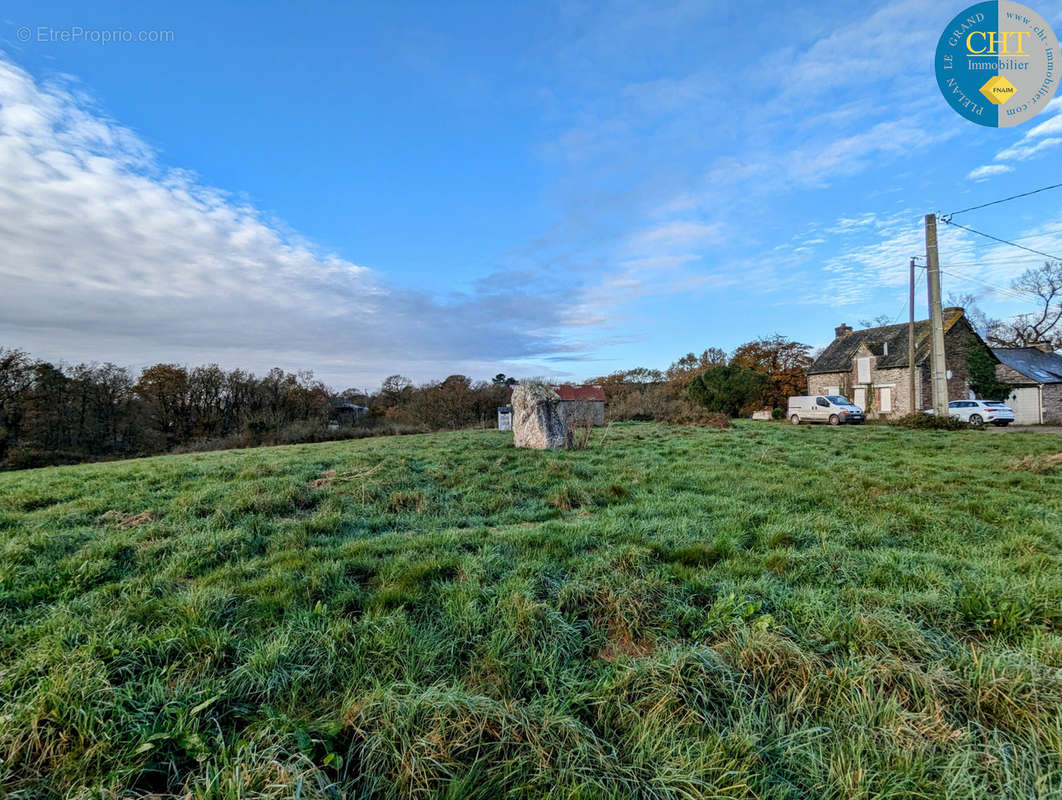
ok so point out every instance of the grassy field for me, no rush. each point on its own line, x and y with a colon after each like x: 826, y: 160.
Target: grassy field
x: 767, y: 611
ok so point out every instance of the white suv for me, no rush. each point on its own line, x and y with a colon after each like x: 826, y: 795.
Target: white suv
x: 978, y: 412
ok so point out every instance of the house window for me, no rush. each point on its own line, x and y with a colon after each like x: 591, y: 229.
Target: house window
x: 863, y: 369
x: 860, y: 398
x: 833, y: 390
x: 886, y: 399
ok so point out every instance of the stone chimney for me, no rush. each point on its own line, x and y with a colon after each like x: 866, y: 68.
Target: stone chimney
x: 842, y: 330
x: 1045, y: 346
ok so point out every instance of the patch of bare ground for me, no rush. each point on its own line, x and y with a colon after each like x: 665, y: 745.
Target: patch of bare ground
x: 124, y: 520
x: 323, y: 480
x: 621, y: 644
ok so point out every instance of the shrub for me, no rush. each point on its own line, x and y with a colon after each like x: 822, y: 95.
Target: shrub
x: 919, y: 420
x: 728, y: 390
x: 778, y: 413
x: 581, y: 432
x: 982, y: 370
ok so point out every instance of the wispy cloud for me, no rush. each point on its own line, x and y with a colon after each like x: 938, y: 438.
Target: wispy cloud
x: 1044, y: 136
x: 108, y: 254
x: 1021, y: 152
x: 988, y: 171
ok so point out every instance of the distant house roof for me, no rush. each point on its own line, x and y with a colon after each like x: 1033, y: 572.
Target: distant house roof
x: 339, y: 405
x: 581, y: 393
x: 888, y: 343
x: 1032, y: 362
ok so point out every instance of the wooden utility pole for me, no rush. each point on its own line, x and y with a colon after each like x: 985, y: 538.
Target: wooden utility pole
x: 936, y: 321
x: 916, y: 402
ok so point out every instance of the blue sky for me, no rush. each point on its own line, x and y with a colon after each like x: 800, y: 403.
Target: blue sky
x: 555, y: 189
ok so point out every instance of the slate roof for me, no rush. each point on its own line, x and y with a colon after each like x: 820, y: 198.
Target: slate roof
x: 837, y: 357
x: 1032, y: 362
x: 581, y: 393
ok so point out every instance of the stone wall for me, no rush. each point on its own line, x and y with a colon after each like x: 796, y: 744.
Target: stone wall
x: 1006, y: 374
x: 895, y: 378
x: 958, y: 342
x: 1052, y: 399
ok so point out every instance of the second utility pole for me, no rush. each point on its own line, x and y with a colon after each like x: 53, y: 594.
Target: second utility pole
x: 938, y: 369
x: 916, y: 402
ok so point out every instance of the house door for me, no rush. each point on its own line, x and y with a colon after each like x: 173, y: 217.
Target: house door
x: 860, y: 397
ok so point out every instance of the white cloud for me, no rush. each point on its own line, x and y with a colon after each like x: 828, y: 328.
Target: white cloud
x: 1031, y: 144
x: 1020, y: 152
x: 109, y: 255
x: 987, y: 171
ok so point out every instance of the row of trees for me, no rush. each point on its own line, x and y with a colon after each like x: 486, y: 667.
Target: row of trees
x: 51, y: 414
x: 64, y: 414
x: 456, y: 402
x: 761, y: 373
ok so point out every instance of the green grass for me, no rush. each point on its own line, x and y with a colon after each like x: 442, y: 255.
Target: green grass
x: 768, y: 611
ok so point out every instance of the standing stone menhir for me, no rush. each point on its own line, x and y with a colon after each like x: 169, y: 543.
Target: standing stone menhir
x: 537, y: 418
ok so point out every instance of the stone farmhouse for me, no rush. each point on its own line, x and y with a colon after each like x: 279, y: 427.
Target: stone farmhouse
x: 1035, y: 376
x: 870, y: 367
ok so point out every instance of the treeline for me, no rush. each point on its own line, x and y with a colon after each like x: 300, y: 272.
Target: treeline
x: 762, y: 373
x: 53, y: 414
x: 61, y: 414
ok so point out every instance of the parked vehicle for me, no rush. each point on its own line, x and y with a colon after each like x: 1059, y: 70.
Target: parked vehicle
x: 978, y: 412
x: 831, y: 408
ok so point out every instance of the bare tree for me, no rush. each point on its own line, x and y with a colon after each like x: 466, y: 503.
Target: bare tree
x: 1045, y: 323
x: 880, y: 321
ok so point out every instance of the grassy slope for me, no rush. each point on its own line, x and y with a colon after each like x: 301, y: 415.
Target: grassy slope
x: 764, y: 612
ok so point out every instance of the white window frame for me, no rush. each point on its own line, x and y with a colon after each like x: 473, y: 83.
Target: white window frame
x: 863, y: 369
x: 886, y: 399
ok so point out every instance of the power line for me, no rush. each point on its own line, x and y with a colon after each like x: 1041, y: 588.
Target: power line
x: 1003, y: 241
x: 903, y: 308
x: 947, y: 217
x: 992, y: 262
x: 1013, y: 294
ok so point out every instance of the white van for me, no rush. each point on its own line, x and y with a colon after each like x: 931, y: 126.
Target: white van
x: 831, y: 408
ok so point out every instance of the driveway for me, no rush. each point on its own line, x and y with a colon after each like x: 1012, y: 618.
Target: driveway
x: 1025, y: 429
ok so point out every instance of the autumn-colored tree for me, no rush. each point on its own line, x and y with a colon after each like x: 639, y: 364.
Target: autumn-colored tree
x: 394, y: 392
x: 692, y: 364
x: 782, y: 361
x: 164, y: 389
